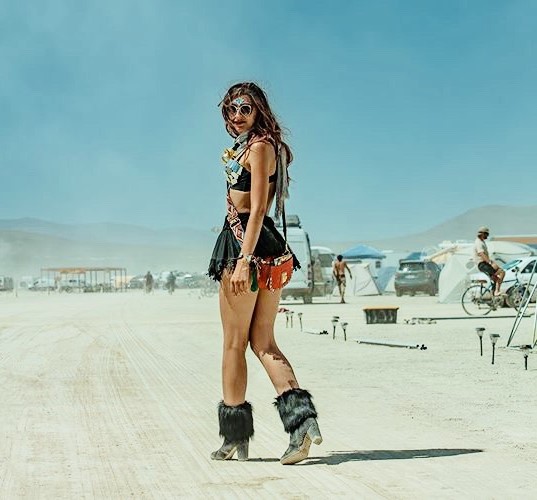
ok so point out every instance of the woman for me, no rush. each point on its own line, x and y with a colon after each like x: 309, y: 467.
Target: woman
x: 256, y: 171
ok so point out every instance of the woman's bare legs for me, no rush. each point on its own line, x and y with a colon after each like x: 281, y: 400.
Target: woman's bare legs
x: 296, y: 409
x: 264, y: 345
x: 250, y: 318
x: 236, y: 314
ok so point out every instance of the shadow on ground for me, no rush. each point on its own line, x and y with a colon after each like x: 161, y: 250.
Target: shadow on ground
x: 339, y: 457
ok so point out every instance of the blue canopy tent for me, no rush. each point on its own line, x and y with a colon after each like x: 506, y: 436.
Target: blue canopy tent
x: 363, y: 252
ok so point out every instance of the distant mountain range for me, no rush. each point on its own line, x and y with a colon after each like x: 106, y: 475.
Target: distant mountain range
x: 27, y: 245
x: 502, y: 221
x: 124, y: 234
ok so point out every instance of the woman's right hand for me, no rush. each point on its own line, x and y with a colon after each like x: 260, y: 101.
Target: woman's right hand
x: 240, y: 279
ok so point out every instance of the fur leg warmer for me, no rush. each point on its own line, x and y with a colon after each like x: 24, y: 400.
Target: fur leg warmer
x: 295, y: 407
x: 236, y: 422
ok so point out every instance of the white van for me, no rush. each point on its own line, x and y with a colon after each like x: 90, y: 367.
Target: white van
x: 301, y: 284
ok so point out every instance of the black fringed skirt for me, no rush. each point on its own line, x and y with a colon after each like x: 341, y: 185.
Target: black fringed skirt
x: 226, y: 249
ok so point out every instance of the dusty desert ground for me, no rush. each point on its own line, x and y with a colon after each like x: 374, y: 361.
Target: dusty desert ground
x: 114, y: 396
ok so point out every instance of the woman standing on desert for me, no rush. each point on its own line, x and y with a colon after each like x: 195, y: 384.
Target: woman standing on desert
x: 256, y: 172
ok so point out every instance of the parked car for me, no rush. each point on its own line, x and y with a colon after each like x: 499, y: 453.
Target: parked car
x: 26, y: 282
x: 524, y: 269
x: 416, y: 276
x: 42, y: 284
x: 185, y: 280
x: 70, y: 284
x: 137, y: 282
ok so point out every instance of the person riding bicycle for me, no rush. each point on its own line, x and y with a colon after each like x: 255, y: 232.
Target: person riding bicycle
x: 484, y: 263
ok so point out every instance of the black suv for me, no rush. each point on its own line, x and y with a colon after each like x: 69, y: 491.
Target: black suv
x: 416, y: 276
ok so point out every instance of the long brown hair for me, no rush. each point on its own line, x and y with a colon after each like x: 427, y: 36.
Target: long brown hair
x: 266, y: 127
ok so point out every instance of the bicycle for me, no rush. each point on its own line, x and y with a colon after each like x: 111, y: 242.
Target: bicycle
x: 479, y: 298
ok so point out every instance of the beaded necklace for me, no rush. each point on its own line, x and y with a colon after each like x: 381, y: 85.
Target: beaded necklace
x: 232, y: 168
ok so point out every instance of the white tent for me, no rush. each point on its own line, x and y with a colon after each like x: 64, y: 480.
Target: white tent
x: 460, y: 268
x: 362, y: 282
x: 454, y: 278
x: 385, y: 279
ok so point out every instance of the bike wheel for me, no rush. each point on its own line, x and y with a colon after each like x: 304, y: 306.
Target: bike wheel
x: 477, y: 300
x: 517, y: 296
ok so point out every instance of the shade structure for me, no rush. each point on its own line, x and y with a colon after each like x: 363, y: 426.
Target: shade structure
x: 363, y: 252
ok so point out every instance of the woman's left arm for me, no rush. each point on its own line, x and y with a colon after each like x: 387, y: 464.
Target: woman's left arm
x: 261, y: 156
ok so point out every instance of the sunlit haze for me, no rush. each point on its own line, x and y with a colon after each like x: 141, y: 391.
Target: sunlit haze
x: 401, y: 114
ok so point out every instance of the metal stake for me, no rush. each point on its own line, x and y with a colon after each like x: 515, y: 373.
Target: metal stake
x: 344, y: 326
x: 526, y: 350
x: 300, y: 319
x: 335, y: 319
x: 494, y: 338
x: 480, y: 330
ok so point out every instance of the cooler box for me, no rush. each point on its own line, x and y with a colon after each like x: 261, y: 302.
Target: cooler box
x: 380, y: 314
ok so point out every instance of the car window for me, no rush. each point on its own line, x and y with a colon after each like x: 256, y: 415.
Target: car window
x: 411, y: 266
x: 529, y: 268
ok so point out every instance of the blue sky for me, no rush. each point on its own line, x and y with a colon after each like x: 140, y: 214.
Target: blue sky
x: 401, y: 114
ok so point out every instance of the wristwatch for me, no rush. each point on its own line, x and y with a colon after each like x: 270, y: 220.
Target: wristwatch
x: 248, y: 257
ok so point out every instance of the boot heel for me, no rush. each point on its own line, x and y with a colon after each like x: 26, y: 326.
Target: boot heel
x: 298, y: 415
x: 314, y: 433
x: 242, y: 451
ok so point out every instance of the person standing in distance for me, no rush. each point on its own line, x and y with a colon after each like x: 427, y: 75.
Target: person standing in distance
x: 484, y: 263
x: 148, y: 282
x: 338, y: 271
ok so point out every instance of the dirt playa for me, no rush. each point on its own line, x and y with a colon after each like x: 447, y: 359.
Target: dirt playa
x: 114, y: 396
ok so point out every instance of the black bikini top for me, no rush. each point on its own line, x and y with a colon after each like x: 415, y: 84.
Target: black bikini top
x: 238, y: 177
x: 244, y: 182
